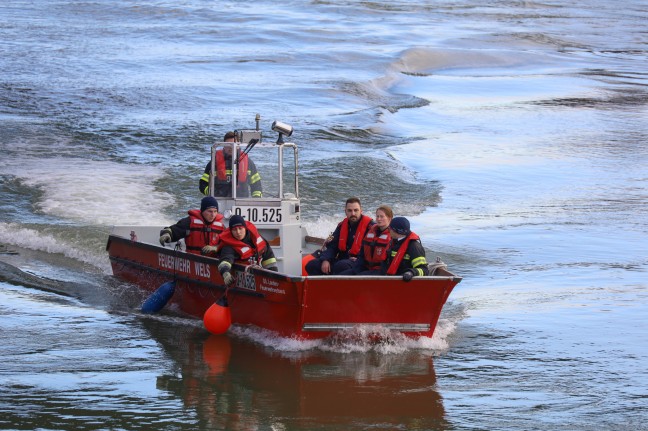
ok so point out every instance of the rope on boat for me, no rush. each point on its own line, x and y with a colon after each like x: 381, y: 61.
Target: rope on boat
x: 251, y: 266
x: 438, y: 264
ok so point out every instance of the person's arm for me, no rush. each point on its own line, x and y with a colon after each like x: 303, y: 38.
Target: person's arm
x: 203, y: 184
x: 180, y: 229
x: 418, y: 261
x: 254, y: 179
x: 175, y: 232
x: 332, y: 247
x: 360, y: 264
x: 227, y: 258
x: 268, y: 260
x: 384, y: 265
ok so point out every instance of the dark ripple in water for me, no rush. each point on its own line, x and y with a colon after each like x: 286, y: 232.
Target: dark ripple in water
x: 325, y: 188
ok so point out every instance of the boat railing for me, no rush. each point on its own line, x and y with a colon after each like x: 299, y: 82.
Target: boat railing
x: 277, y: 214
x: 276, y: 166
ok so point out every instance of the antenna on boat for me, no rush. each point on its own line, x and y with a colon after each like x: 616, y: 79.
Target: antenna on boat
x: 247, y: 149
x: 282, y: 129
x: 252, y: 137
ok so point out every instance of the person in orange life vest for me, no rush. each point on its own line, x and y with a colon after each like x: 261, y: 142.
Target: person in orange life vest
x: 243, y: 244
x: 374, y: 245
x: 316, y: 254
x: 200, y: 229
x: 343, y: 251
x: 248, y: 182
x: 406, y: 255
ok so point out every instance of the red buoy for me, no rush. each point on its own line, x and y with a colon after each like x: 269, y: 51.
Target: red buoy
x: 218, y: 317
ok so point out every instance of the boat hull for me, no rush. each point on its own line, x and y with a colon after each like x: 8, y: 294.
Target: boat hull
x: 292, y: 306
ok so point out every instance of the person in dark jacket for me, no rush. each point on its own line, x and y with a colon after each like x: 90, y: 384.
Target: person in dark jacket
x: 406, y: 255
x: 342, y: 252
x: 248, y: 178
x: 243, y: 244
x: 200, y: 229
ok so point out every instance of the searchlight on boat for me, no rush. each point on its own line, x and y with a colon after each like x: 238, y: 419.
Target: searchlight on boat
x: 282, y: 129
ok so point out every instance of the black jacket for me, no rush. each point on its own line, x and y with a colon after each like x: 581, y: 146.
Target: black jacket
x: 414, y: 258
x: 230, y: 255
x: 252, y: 185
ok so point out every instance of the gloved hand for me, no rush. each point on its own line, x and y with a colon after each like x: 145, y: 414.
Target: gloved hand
x: 408, y: 275
x: 164, y: 238
x: 209, y: 249
x: 228, y: 279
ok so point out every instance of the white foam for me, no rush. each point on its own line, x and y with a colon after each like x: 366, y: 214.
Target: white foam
x: 323, y: 225
x: 359, y: 339
x: 428, y: 61
x: 271, y: 339
x: 439, y: 340
x: 99, y: 192
x: 11, y: 233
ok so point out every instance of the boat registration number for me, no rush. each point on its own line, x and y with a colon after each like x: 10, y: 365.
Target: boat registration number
x: 260, y: 214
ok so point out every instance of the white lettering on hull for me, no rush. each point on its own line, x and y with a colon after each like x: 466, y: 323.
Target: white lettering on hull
x: 174, y: 263
x: 201, y: 269
x: 180, y: 264
x: 268, y: 285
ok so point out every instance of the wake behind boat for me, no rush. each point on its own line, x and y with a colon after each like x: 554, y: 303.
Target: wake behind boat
x: 286, y: 302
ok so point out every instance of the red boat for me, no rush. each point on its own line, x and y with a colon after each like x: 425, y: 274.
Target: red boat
x: 284, y: 302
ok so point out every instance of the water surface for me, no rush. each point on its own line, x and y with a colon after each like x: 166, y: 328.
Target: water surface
x: 511, y: 134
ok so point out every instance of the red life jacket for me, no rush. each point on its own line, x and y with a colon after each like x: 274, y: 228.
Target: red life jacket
x: 201, y: 233
x: 221, y: 170
x: 375, y: 245
x: 357, y: 238
x: 245, y: 251
x: 400, y: 254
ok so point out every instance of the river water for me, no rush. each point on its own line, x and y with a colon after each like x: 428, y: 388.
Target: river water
x: 511, y: 133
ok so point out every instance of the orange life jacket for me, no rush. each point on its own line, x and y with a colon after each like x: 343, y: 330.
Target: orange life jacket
x: 375, y: 245
x: 305, y: 261
x: 400, y: 254
x: 357, y: 238
x: 244, y: 250
x: 201, y: 233
x: 221, y: 170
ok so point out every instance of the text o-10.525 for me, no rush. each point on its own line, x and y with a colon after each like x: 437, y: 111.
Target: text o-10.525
x: 259, y: 214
